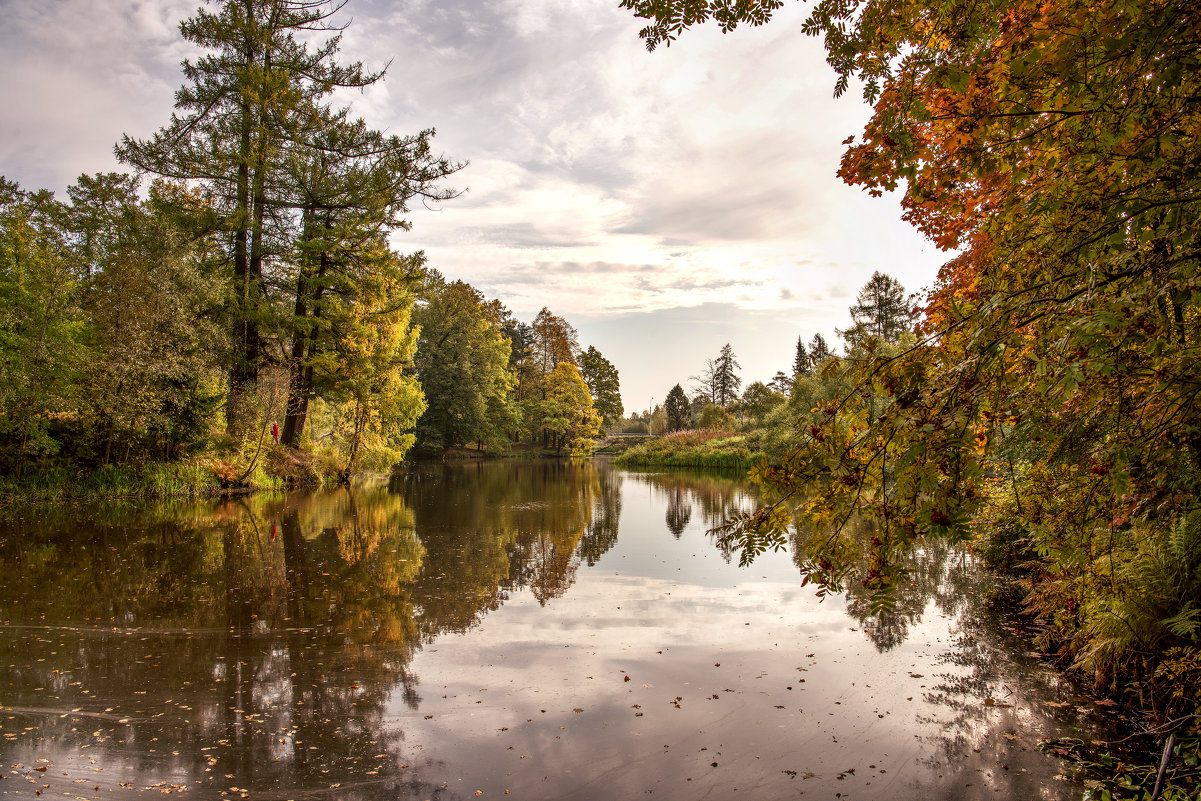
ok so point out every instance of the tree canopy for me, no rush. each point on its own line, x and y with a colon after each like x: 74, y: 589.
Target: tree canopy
x: 678, y: 410
x: 463, y: 365
x: 603, y: 383
x: 881, y: 310
x: 1056, y: 148
x: 289, y: 180
x: 800, y: 362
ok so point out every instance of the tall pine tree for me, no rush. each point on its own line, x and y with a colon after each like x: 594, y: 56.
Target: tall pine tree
x: 245, y: 99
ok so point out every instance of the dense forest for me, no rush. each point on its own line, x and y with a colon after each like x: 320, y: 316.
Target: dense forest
x: 249, y: 295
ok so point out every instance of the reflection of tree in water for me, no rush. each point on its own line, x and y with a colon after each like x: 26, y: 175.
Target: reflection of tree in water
x: 277, y: 630
x: 985, y: 660
x: 932, y: 572
x: 679, y: 511
x: 550, y: 525
x: 716, y: 494
x: 888, y: 581
x: 601, y: 534
x: 527, y: 522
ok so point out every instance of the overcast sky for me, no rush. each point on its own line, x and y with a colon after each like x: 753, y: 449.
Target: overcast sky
x: 665, y: 203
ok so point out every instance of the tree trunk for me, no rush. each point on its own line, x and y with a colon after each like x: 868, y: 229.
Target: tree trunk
x: 300, y: 376
x: 242, y: 375
x: 297, y: 406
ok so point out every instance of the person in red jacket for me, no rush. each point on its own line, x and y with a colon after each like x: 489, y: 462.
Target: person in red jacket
x: 275, y: 432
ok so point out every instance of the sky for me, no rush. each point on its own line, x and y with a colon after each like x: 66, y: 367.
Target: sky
x: 664, y: 203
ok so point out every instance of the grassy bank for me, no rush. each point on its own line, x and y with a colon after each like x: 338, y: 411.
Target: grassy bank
x: 203, y: 475
x: 703, y: 448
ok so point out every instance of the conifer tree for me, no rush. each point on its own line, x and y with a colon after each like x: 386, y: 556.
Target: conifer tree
x: 604, y: 383
x: 800, y: 364
x: 781, y: 383
x: 726, y: 382
x: 679, y: 411
x: 819, y: 351
x: 881, y: 311
x: 245, y: 98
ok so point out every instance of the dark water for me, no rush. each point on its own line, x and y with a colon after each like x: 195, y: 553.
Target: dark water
x: 547, y: 631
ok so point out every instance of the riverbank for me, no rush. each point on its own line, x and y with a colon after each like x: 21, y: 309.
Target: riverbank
x: 200, y: 476
x: 703, y: 448
x: 210, y: 475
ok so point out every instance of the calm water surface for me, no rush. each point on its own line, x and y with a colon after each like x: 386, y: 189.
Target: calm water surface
x: 546, y: 631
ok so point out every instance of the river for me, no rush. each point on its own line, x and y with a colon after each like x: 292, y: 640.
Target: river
x: 533, y: 630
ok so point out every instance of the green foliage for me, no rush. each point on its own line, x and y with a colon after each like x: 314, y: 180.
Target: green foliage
x: 669, y: 18
x: 566, y: 413
x: 881, y: 310
x: 248, y: 97
x: 462, y: 363
x: 151, y: 332
x: 678, y: 409
x: 1115, y: 776
x: 819, y: 351
x: 603, y: 382
x: 1146, y: 602
x: 369, y: 367
x: 757, y: 402
x: 41, y: 323
x: 636, y: 427
x: 800, y: 362
x: 714, y: 418
x: 781, y: 383
x: 719, y: 382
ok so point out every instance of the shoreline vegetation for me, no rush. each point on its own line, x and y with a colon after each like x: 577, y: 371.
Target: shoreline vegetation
x: 710, y: 448
x: 210, y: 476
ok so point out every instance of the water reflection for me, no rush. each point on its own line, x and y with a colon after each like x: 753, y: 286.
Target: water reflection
x: 483, y: 627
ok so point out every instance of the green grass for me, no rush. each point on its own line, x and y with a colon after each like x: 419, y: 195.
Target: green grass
x: 704, y: 448
x: 197, y: 477
x: 110, y: 481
